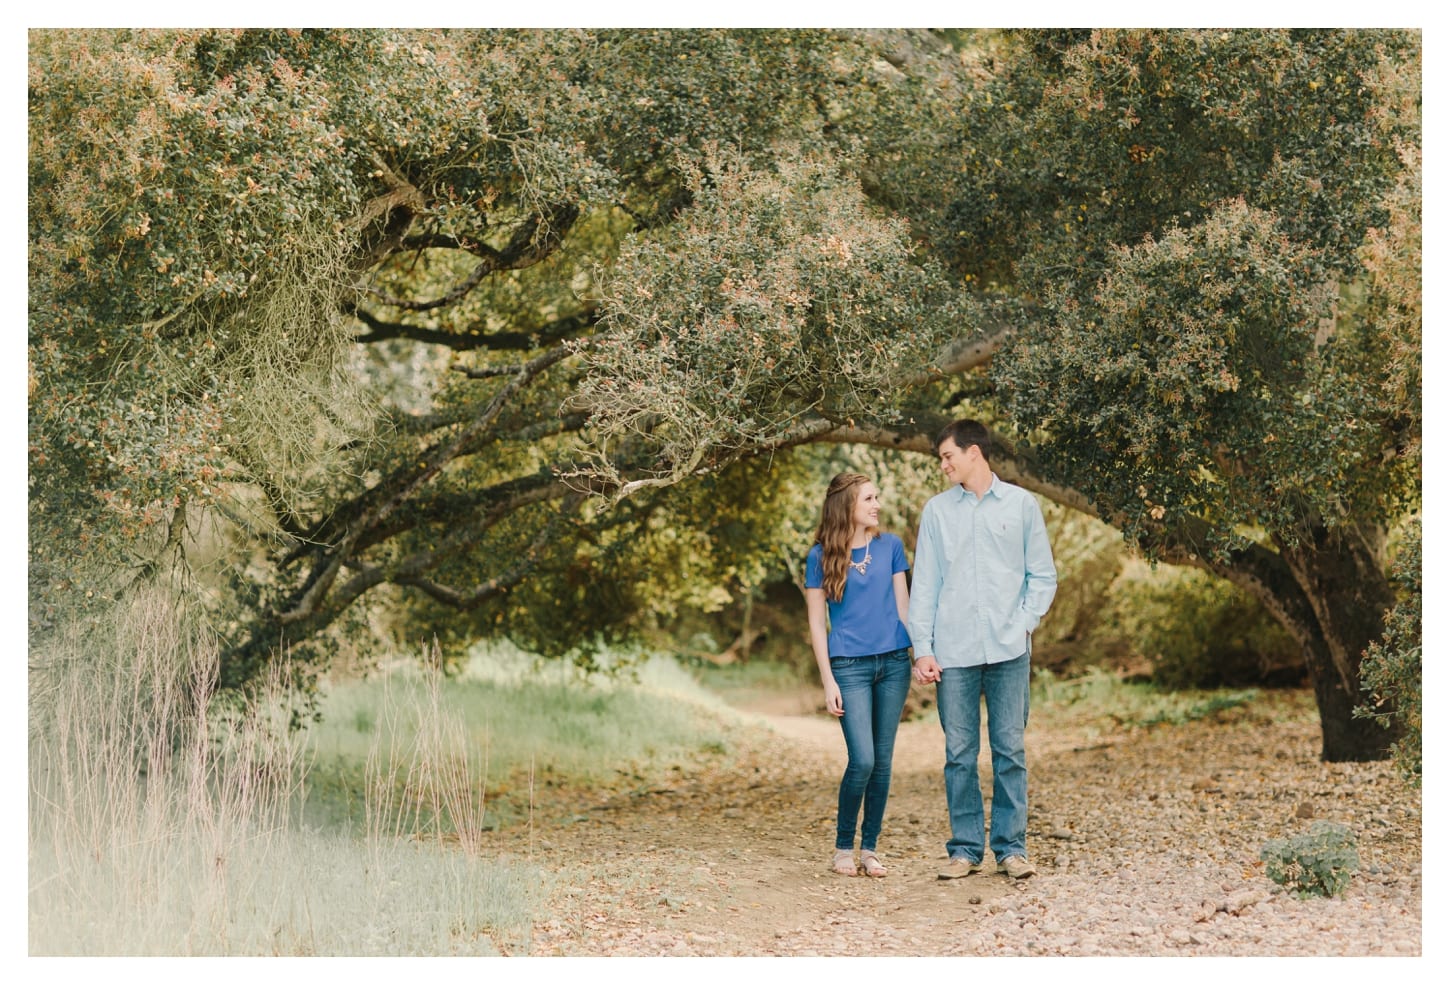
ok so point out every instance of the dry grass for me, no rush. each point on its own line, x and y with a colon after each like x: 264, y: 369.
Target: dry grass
x: 164, y: 824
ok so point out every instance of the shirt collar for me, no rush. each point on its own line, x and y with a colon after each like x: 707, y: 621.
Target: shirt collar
x: 995, y: 490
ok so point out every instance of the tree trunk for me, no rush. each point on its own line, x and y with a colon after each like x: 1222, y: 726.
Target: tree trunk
x: 1330, y: 592
x: 1342, y: 574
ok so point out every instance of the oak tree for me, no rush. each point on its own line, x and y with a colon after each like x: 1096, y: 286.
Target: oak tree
x: 534, y: 332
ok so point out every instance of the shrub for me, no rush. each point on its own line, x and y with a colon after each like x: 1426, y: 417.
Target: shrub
x: 1203, y: 632
x: 1319, y: 863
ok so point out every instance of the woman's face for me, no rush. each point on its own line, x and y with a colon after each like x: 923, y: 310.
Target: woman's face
x: 867, y: 510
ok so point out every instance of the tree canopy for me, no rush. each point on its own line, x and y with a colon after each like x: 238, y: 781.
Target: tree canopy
x: 535, y: 332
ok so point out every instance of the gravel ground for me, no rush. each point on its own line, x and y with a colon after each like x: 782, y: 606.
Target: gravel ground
x: 1146, y: 841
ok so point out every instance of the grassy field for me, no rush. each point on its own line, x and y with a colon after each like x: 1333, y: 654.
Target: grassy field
x: 527, y: 723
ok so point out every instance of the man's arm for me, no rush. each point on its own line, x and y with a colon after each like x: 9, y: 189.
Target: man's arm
x: 1041, y: 571
x: 926, y: 581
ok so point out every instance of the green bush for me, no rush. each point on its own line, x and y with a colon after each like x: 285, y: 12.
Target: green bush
x: 1390, y: 673
x: 1319, y: 863
x: 1199, y: 631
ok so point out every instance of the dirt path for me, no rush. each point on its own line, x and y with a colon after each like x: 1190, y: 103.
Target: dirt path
x: 1146, y: 843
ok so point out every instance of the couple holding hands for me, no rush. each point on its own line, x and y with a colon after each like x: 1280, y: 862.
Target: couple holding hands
x: 984, y: 577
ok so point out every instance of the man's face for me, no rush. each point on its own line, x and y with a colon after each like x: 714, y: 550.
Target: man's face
x: 955, y: 459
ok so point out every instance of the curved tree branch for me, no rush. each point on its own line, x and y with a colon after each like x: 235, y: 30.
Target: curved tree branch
x: 465, y: 600
x: 561, y: 328
x: 404, y: 484
x: 536, y: 238
x: 1260, y: 571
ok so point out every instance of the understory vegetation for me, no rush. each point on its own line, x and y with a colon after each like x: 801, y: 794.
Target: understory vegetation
x: 166, y: 820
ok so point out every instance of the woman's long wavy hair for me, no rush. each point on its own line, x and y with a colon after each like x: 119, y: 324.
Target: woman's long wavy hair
x: 834, y: 532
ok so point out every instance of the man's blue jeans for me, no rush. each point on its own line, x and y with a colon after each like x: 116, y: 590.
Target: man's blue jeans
x: 873, y: 692
x: 959, y: 705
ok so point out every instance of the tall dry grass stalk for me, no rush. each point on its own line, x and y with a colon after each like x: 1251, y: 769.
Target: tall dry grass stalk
x: 164, y: 821
x: 422, y: 780
x: 131, y: 772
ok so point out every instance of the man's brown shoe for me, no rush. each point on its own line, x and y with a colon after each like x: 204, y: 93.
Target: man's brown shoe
x: 1017, y: 867
x: 957, y: 867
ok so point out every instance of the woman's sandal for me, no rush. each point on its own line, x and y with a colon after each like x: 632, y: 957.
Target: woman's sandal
x: 872, y: 865
x: 844, y: 863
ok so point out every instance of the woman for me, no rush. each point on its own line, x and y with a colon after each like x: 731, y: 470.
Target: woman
x: 856, y: 585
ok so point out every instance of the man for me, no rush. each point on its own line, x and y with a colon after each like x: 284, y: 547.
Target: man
x: 984, y: 578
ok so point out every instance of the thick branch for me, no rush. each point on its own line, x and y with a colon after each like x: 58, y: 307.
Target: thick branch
x: 536, y: 238
x: 483, y: 508
x: 407, y: 482
x: 397, y: 207
x: 482, y: 592
x: 555, y: 331
x: 965, y: 354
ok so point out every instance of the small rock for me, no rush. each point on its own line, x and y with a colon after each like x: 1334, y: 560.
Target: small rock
x: 1304, y: 810
x: 1242, y: 901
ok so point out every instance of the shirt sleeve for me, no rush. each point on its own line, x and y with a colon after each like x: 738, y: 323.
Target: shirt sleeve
x: 1041, y: 572
x: 926, y: 582
x: 898, y: 556
x: 815, y: 574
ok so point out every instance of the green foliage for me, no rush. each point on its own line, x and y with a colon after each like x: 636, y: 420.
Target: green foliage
x: 782, y: 293
x: 1215, y: 238
x: 1197, y: 388
x: 635, y: 570
x: 1320, y: 863
x: 1088, y: 141
x: 1089, y: 556
x: 1181, y: 203
x: 1391, y: 673
x: 186, y: 233
x: 1200, y: 631
x: 217, y: 215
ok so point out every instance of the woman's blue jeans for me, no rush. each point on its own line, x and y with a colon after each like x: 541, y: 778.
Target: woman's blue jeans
x: 873, y: 692
x: 959, y: 705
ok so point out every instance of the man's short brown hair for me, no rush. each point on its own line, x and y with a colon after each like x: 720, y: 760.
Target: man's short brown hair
x: 966, y: 433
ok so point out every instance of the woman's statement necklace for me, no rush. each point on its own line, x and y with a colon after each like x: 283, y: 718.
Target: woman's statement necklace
x: 860, y: 565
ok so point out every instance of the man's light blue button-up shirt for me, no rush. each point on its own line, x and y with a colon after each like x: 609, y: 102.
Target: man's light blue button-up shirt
x: 983, y: 576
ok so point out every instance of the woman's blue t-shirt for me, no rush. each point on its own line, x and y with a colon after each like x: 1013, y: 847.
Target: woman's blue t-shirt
x: 865, y: 622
